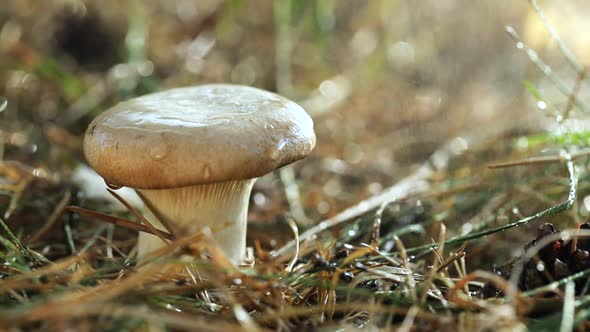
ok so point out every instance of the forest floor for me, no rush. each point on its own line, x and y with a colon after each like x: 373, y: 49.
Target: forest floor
x: 447, y: 190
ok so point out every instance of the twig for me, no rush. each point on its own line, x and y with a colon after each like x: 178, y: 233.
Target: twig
x: 155, y: 212
x: 528, y: 161
x: 542, y: 160
x: 458, y: 255
x: 137, y: 214
x: 119, y: 222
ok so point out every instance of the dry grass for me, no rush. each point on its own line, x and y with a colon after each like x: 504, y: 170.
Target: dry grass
x: 426, y: 180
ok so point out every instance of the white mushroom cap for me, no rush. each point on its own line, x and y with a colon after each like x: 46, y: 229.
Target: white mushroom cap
x: 197, y: 135
x: 194, y: 153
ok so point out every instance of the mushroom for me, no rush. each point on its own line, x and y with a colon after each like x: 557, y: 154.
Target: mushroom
x: 195, y: 152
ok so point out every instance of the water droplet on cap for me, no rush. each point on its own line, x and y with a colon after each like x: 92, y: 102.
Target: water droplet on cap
x: 272, y: 153
x: 158, y: 152
x: 206, y: 172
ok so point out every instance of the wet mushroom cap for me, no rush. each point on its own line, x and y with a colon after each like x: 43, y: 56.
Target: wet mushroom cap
x: 197, y: 135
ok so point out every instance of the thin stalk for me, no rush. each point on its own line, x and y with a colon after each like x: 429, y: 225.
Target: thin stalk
x: 15, y: 240
x: 569, y: 56
x: 546, y: 70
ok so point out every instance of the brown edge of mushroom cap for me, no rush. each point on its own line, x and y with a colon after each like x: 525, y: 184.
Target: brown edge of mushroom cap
x: 161, y: 155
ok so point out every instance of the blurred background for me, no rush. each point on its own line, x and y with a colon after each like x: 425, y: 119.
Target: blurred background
x: 387, y: 82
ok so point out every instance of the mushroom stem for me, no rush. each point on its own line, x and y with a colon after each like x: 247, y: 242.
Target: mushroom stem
x: 222, y: 206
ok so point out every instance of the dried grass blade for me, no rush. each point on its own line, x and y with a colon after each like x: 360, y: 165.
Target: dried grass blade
x: 295, y: 230
x: 133, y: 210
x: 155, y: 212
x: 119, y: 222
x: 23, y: 251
